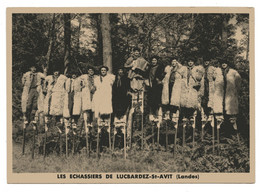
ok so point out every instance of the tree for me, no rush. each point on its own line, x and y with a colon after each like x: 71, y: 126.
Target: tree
x: 67, y: 40
x: 51, y: 43
x: 106, y: 39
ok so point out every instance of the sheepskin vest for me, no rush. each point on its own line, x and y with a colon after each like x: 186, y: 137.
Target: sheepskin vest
x: 27, y: 81
x: 73, y: 86
x: 193, y: 87
x: 226, y: 91
x: 102, y: 97
x: 209, y: 86
x: 88, y: 91
x: 54, y: 100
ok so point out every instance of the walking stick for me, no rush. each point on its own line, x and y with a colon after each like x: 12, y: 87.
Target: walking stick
x: 219, y: 122
x: 193, y: 128
x: 213, y: 139
x: 124, y: 140
x: 130, y: 125
x: 98, y: 142
x: 24, y: 135
x: 86, y: 130
x: 109, y: 130
x: 153, y: 133
x: 33, y: 146
x: 158, y: 136
x: 142, y: 116
x: 85, y: 118
x: 74, y: 136
x: 166, y: 136
x: 204, y: 122
x: 175, y: 142
x: 66, y: 137
x: 114, y: 138
x: 185, y: 120
x: 73, y: 142
x: 45, y: 139
x: 176, y: 121
x: 160, y: 114
x: 218, y: 139
x: 60, y: 139
x: 98, y: 131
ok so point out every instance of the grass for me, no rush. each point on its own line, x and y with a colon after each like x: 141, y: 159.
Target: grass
x: 231, y: 157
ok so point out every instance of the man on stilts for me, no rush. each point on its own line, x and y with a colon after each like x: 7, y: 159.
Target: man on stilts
x: 72, y: 106
x: 54, y: 101
x: 103, y: 105
x: 207, y: 96
x: 88, y: 91
x: 171, y: 94
x: 154, y: 99
x: 137, y: 68
x: 226, y: 104
x: 32, y: 96
x: 191, y: 93
x: 121, y: 102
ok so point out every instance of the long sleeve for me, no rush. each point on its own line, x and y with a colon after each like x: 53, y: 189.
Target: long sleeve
x: 238, y: 81
x: 23, y: 79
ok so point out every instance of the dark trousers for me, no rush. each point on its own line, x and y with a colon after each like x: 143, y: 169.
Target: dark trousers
x: 32, y: 106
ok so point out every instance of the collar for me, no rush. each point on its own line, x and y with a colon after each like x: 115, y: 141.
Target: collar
x: 191, y: 67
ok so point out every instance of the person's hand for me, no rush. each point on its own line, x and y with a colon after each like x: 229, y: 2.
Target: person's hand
x: 93, y: 89
x: 197, y: 86
x: 45, y: 70
x: 159, y: 81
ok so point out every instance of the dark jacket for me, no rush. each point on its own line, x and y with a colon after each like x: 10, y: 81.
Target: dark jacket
x: 120, y: 98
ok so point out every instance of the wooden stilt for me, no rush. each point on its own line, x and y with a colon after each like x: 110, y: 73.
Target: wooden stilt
x: 33, y: 145
x: 24, y: 138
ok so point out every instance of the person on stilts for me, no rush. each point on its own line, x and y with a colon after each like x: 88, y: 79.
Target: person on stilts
x: 54, y: 101
x: 88, y: 91
x: 191, y: 93
x: 171, y: 94
x: 32, y: 96
x: 121, y: 102
x: 154, y: 99
x: 137, y: 68
x: 207, y: 115
x: 103, y: 105
x: 226, y: 104
x: 72, y: 106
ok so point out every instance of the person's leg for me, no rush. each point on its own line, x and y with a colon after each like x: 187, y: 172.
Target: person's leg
x: 34, y: 106
x: 29, y: 105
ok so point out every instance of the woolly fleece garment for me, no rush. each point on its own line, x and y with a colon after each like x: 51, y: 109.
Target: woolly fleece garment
x: 231, y: 92
x: 102, y: 98
x: 26, y: 81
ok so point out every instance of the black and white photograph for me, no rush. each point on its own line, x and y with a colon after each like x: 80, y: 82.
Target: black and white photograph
x: 147, y: 95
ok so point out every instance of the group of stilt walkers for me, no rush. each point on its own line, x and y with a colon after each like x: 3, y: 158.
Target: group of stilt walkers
x: 180, y: 96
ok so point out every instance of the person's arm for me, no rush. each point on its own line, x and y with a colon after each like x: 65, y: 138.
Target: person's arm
x: 68, y: 85
x: 23, y: 79
x: 129, y: 63
x: 237, y: 81
x: 184, y: 77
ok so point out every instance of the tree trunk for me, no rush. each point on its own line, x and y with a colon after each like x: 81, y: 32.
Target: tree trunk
x: 106, y: 39
x: 67, y: 38
x: 78, y: 39
x: 99, y: 50
x: 247, y: 47
x: 52, y: 36
x: 224, y: 35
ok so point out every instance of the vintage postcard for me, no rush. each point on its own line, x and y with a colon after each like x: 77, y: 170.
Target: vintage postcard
x: 131, y: 95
